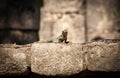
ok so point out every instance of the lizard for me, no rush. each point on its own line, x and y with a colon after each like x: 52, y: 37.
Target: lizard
x: 60, y: 39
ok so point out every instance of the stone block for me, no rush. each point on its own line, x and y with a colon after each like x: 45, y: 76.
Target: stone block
x: 57, y: 59
x: 103, y: 19
x: 72, y: 58
x: 63, y: 5
x: 13, y: 60
x: 103, y: 56
x: 52, y: 24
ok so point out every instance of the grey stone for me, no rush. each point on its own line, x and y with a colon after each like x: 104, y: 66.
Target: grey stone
x: 72, y: 58
x: 103, y: 56
x: 52, y: 24
x: 60, y: 58
x: 102, y: 19
x: 58, y: 15
x: 13, y: 60
x: 63, y: 5
x: 57, y: 59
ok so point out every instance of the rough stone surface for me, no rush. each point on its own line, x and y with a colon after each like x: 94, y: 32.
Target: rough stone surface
x: 63, y: 5
x: 13, y: 60
x: 52, y: 24
x: 67, y: 59
x: 60, y: 58
x: 103, y: 56
x: 57, y: 59
x: 103, y: 19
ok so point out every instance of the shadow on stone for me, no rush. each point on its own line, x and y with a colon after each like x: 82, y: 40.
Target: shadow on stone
x: 84, y: 74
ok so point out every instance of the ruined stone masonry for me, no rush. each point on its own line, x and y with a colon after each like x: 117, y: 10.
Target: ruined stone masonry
x: 19, y: 21
x: 85, y: 20
x: 103, y: 19
x: 59, y: 58
x: 57, y: 15
x: 22, y: 20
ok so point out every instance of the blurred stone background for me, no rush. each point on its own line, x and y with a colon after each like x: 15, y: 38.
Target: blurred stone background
x: 27, y: 21
x: 57, y: 15
x: 19, y: 21
x: 85, y: 20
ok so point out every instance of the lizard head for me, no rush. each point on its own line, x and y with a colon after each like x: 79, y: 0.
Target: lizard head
x: 64, y: 33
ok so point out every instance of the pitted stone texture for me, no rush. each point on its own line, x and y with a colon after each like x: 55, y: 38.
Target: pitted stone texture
x: 63, y: 5
x: 13, y: 60
x: 67, y: 59
x: 56, y: 59
x: 103, y: 56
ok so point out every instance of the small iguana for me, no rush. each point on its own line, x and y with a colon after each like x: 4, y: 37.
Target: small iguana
x: 61, y: 39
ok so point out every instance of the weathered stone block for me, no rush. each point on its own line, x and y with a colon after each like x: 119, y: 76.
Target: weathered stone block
x: 52, y: 24
x: 13, y: 60
x: 67, y: 59
x: 57, y: 59
x: 103, y: 19
x: 103, y: 56
x: 57, y: 15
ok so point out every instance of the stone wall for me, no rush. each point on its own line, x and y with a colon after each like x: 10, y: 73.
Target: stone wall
x: 53, y: 59
x: 103, y: 19
x: 57, y: 15
x: 85, y: 20
x: 19, y: 21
